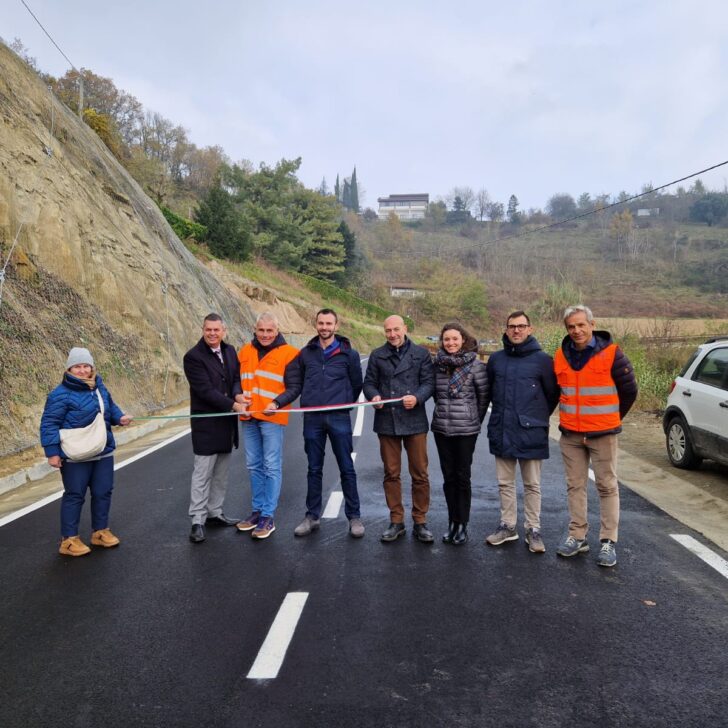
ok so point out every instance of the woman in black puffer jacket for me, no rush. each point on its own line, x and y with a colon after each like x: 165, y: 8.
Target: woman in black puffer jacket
x: 461, y: 401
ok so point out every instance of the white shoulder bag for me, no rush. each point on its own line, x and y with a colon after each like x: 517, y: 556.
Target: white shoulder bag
x: 82, y: 443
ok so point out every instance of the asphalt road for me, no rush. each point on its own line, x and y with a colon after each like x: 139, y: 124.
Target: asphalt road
x: 161, y: 632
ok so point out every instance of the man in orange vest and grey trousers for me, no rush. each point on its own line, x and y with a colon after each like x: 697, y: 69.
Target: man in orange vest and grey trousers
x: 598, y: 388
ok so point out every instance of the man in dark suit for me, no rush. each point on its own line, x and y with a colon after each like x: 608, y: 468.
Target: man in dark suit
x: 212, y: 370
x: 401, y: 368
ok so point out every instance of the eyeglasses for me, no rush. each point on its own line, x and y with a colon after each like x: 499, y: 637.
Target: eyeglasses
x: 517, y: 327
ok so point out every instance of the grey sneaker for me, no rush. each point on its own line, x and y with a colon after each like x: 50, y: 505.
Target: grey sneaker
x: 307, y: 525
x: 502, y: 534
x: 356, y: 528
x: 607, y: 554
x: 534, y: 541
x: 573, y: 546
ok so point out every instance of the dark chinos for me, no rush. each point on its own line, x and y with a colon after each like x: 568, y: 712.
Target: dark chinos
x: 330, y: 376
x: 395, y: 372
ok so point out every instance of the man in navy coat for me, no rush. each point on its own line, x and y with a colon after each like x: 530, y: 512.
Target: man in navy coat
x: 330, y: 375
x: 524, y: 393
x: 213, y: 372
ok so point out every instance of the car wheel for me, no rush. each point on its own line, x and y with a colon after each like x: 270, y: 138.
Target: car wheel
x: 680, y: 446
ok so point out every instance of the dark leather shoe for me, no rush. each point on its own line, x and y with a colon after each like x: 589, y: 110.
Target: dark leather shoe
x: 422, y: 533
x: 393, y: 532
x: 197, y: 534
x: 447, y: 537
x: 221, y: 520
x: 461, y: 535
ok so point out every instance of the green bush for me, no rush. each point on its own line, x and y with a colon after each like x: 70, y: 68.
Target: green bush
x: 183, y: 227
x: 354, y: 303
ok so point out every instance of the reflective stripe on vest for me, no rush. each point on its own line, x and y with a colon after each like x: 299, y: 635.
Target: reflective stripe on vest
x: 589, y: 399
x: 264, y: 379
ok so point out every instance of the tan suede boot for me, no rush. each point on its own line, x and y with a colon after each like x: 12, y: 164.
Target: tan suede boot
x: 73, y: 546
x: 104, y: 538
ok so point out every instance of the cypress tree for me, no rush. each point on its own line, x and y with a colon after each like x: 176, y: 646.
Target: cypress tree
x: 337, y: 189
x: 346, y: 195
x: 354, y: 192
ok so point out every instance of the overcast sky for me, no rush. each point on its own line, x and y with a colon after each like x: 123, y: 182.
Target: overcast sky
x: 530, y: 98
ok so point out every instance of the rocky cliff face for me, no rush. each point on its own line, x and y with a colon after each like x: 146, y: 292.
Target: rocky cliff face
x: 95, y: 264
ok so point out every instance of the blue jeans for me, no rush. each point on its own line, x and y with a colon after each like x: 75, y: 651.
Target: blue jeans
x: 264, y: 454
x: 337, y: 425
x: 96, y: 475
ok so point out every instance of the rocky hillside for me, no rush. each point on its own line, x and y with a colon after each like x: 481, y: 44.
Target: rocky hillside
x: 95, y: 264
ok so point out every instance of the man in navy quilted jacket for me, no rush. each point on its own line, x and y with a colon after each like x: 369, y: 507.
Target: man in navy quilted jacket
x: 330, y: 375
x: 524, y: 393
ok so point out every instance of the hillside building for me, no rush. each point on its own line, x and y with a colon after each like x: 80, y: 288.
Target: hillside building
x: 405, y: 207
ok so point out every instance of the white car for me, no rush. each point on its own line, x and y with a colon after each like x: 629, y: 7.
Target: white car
x: 696, y: 418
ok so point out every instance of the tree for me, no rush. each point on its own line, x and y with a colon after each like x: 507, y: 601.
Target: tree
x: 337, y: 189
x: 496, y: 211
x: 482, y: 203
x: 514, y: 217
x: 354, y: 193
x: 101, y: 94
x: 18, y: 47
x: 150, y: 174
x: 466, y: 197
x: 104, y: 126
x: 323, y: 187
x: 584, y: 203
x: 346, y: 194
x: 323, y: 254
x: 369, y: 215
x: 620, y: 229
x: 436, y: 214
x: 203, y: 168
x: 354, y: 262
x: 710, y: 208
x: 226, y: 235
x: 698, y: 188
x: 561, y: 207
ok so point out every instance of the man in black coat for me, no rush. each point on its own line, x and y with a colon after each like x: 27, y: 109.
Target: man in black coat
x: 401, y: 368
x: 213, y: 372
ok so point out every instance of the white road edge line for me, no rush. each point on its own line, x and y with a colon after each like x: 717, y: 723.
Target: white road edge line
x: 117, y: 466
x: 273, y: 650
x: 702, y: 552
x: 333, y: 505
x: 359, y: 421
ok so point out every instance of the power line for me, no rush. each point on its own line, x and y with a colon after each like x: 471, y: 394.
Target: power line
x: 49, y: 36
x: 514, y: 236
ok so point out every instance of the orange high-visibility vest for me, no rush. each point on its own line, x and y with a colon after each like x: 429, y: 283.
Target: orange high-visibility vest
x: 263, y: 379
x: 589, y: 400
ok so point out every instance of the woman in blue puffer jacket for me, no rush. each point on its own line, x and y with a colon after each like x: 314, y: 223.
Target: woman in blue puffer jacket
x: 72, y: 404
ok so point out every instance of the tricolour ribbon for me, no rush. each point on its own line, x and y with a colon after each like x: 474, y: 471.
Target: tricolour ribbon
x: 322, y: 408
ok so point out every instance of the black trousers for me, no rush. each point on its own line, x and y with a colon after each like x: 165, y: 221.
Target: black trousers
x: 456, y: 460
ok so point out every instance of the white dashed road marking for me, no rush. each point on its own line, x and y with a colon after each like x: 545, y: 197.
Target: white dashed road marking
x: 271, y: 654
x: 702, y: 552
x: 333, y: 505
x: 359, y: 421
